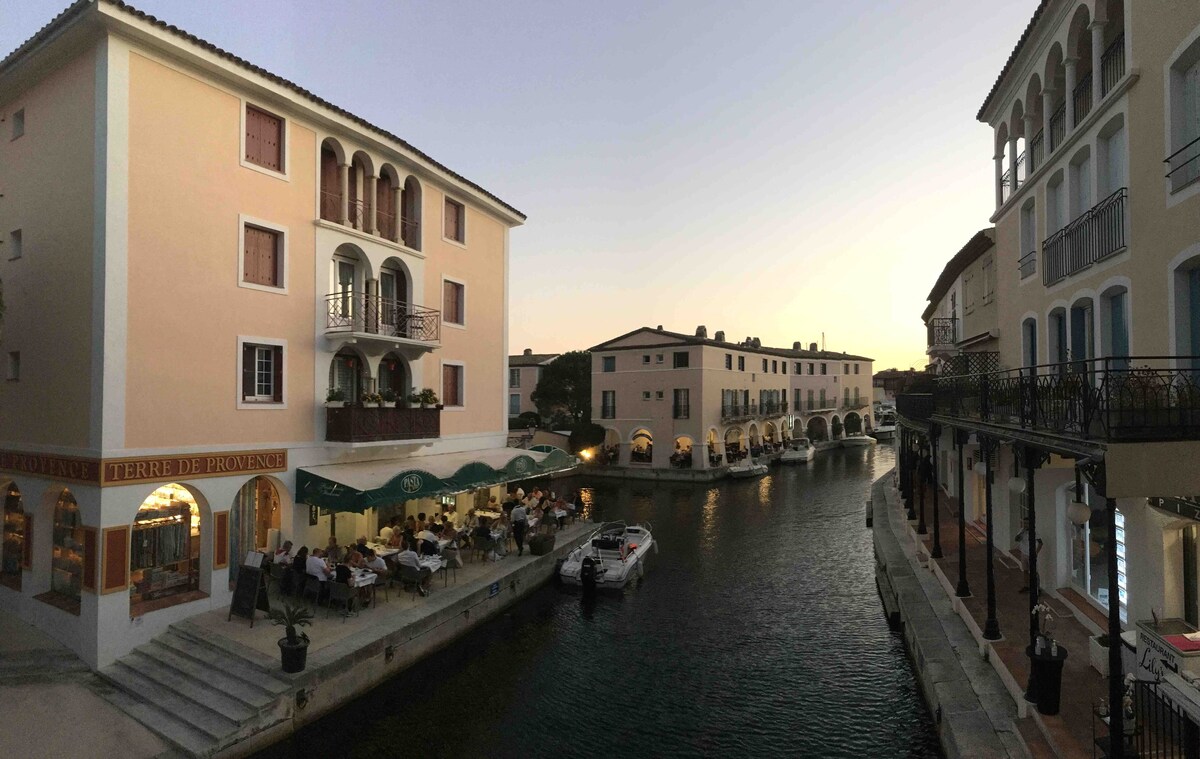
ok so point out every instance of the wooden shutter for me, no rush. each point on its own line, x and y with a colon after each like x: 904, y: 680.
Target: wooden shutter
x: 261, y: 257
x: 89, y: 559
x: 450, y: 302
x: 115, y: 577
x: 264, y: 139
x: 450, y: 375
x: 27, y: 546
x: 452, y: 219
x: 248, y: 367
x: 277, y: 373
x: 220, y: 540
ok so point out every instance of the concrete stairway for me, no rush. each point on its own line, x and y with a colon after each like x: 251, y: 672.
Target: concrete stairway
x: 20, y: 667
x: 201, y: 698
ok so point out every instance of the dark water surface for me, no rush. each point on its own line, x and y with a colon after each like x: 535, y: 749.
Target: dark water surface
x: 757, y: 631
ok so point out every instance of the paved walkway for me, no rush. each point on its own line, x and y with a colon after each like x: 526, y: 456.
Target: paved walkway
x: 976, y: 716
x: 54, y: 705
x: 1070, y: 731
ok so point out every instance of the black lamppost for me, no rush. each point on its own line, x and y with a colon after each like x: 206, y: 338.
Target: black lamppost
x: 1031, y: 461
x: 963, y: 590
x: 910, y: 501
x: 922, y: 476
x: 936, y: 553
x: 991, y: 626
x: 1116, y: 684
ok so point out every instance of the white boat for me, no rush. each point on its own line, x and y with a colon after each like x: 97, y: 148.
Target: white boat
x: 747, y: 468
x: 857, y: 440
x: 800, y: 452
x: 610, y: 557
x: 885, y: 427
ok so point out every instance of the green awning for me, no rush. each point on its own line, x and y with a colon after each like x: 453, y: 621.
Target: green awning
x: 363, y: 485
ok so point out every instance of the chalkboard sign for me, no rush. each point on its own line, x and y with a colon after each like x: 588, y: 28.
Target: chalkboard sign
x: 250, y: 593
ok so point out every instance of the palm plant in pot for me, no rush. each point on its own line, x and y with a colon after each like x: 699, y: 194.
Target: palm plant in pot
x: 293, y: 646
x: 428, y: 398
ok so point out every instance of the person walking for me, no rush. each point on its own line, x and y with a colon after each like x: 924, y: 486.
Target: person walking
x: 519, y: 523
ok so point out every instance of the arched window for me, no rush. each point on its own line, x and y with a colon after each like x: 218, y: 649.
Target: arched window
x: 331, y: 181
x: 66, y: 575
x: 1183, y: 98
x: 164, y: 549
x: 255, y: 512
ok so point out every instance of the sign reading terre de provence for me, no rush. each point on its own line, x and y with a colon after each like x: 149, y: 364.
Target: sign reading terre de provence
x: 158, y: 468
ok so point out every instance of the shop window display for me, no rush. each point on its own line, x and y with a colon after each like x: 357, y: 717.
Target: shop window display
x: 67, y: 574
x: 14, y: 539
x: 164, y: 550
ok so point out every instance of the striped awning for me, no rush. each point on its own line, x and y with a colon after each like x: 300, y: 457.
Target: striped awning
x: 363, y: 485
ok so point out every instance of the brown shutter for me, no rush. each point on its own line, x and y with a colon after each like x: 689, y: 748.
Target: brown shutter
x: 248, y: 371
x: 261, y: 256
x: 452, y: 219
x: 277, y: 378
x: 27, y: 547
x: 115, y: 577
x: 448, y: 301
x: 449, y: 386
x: 264, y: 139
x: 249, y: 255
x: 89, y: 559
x: 220, y: 540
x: 253, y: 140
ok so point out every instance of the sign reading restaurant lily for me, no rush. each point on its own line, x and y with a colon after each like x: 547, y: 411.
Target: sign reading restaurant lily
x: 137, y: 469
x: 327, y: 493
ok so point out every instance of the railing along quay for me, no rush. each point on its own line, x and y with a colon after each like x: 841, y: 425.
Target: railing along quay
x: 1125, y: 398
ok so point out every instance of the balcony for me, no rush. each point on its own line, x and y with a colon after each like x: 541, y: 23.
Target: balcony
x: 371, y: 316
x: 355, y: 424
x: 731, y: 412
x: 331, y: 206
x: 976, y: 362
x: 1093, y: 236
x: 1036, y: 151
x: 1123, y: 399
x: 1112, y: 65
x: 1183, y: 166
x: 822, y: 405
x: 1082, y: 98
x: 941, y: 334
x: 850, y: 404
x: 1027, y: 264
x: 915, y: 407
x: 681, y: 411
x: 1058, y: 126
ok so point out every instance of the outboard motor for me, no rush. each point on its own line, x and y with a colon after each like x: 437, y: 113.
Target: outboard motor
x: 587, y: 574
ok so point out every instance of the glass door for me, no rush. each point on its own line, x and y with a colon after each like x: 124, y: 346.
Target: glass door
x: 345, y: 289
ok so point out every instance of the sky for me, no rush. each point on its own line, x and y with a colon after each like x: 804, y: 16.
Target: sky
x: 779, y: 169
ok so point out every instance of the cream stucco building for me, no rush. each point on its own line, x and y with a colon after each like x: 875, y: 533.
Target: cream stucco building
x: 1072, y: 387
x: 524, y: 372
x: 668, y: 399
x: 194, y: 254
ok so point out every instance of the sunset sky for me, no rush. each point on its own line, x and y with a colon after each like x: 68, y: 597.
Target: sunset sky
x: 778, y: 169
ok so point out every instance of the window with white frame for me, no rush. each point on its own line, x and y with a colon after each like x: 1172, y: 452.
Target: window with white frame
x: 455, y: 221
x: 1183, y: 164
x: 262, y: 370
x: 514, y: 377
x: 514, y: 404
x: 454, y: 308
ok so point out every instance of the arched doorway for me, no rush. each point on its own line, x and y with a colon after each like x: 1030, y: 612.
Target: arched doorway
x: 735, y: 444
x: 394, y: 377
x: 13, y: 557
x: 835, y: 427
x: 770, y: 435
x: 347, y: 373
x: 164, y: 550
x: 714, y: 455
x: 610, y: 452
x: 255, y: 513
x: 641, y: 447
x: 66, y: 576
x: 853, y: 423
x: 681, y: 457
x: 394, y: 298
x: 818, y: 429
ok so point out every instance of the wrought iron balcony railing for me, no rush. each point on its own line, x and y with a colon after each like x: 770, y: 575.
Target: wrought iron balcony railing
x: 1027, y: 264
x: 681, y: 411
x: 1112, y: 65
x: 941, y: 332
x: 356, y: 212
x: 1094, y: 235
x: 373, y: 315
x: 1117, y: 398
x: 385, y: 223
x: 1020, y: 172
x: 1183, y: 166
x: 410, y: 233
x: 976, y: 362
x: 331, y: 206
x: 1082, y: 97
x: 917, y: 407
x: 355, y: 424
x: 1058, y: 126
x: 1006, y: 188
x: 1036, y: 151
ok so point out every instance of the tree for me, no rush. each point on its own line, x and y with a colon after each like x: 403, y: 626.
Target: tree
x: 566, y: 385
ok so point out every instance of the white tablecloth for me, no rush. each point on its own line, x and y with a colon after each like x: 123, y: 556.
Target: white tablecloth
x: 382, y: 551
x: 360, y: 578
x: 488, y: 514
x: 432, y: 563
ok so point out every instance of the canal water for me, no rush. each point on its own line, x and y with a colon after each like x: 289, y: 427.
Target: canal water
x: 756, y: 632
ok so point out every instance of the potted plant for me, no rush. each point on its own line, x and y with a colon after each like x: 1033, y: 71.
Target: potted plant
x: 371, y: 400
x: 335, y: 398
x: 414, y: 398
x: 389, y: 398
x: 1098, y: 653
x: 427, y: 398
x: 293, y: 646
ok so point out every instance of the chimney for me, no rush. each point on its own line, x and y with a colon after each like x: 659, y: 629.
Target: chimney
x: 797, y: 346
x: 812, y: 347
x: 720, y: 336
x: 659, y: 328
x: 529, y: 351
x: 702, y: 331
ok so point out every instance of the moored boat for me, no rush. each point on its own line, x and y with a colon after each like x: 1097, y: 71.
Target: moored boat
x: 747, y: 468
x: 801, y: 451
x: 885, y: 426
x: 610, y: 557
x: 857, y: 440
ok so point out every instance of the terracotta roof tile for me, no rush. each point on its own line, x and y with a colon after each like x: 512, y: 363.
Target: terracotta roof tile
x: 1012, y: 57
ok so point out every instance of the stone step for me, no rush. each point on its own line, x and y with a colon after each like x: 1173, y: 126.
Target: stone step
x: 245, y: 692
x: 29, y: 667
x: 166, y: 701
x: 181, y: 735
x: 234, y: 651
x: 185, y: 686
x: 217, y: 659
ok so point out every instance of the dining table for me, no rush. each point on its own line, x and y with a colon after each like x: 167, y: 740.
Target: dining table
x: 488, y: 514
